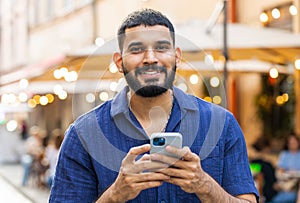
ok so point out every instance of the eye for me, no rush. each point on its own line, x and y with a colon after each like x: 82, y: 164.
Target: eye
x: 136, y: 49
x: 162, y: 48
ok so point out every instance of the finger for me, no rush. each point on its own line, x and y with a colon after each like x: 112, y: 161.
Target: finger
x: 145, y: 157
x: 177, y: 181
x: 185, y: 153
x: 149, y: 166
x: 150, y: 176
x: 164, y: 159
x: 134, y: 152
x: 178, y: 173
x: 146, y: 185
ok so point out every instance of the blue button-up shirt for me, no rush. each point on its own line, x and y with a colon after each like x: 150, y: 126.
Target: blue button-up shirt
x: 96, y: 143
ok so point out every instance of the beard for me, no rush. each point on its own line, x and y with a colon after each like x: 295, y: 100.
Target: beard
x: 151, y: 88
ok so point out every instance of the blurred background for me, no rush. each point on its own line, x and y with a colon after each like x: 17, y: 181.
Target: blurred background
x: 55, y: 64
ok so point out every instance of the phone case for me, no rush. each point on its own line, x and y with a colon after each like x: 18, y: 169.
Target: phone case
x: 170, y: 138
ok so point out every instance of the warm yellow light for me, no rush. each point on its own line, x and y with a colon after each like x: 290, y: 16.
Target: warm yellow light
x: 37, y: 98
x: 263, y: 17
x: 31, y: 103
x: 194, y: 79
x: 50, y: 98
x: 208, y: 99
x: 297, y: 64
x: 285, y: 97
x: 276, y: 13
x: 217, y: 99
x: 273, y: 73
x: 293, y: 10
x: 279, y: 100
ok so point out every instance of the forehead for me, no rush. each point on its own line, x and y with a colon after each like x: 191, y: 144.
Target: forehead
x: 147, y: 34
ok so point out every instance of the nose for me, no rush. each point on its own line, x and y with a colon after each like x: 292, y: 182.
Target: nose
x: 150, y: 57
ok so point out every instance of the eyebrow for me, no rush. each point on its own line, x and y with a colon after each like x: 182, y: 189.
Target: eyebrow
x: 135, y: 44
x: 164, y: 42
x: 141, y: 43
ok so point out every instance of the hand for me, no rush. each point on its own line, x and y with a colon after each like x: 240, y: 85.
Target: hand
x: 186, y: 172
x: 132, y: 179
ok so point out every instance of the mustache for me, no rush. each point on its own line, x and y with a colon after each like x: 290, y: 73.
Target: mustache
x: 157, y: 68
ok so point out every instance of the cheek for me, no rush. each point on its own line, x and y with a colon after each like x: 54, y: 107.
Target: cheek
x: 132, y: 61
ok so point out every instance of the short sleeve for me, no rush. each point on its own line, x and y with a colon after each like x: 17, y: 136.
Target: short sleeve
x: 237, y: 177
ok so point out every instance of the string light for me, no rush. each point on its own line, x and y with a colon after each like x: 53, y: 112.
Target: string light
x: 23, y: 83
x: 90, y: 98
x: 293, y: 10
x: 194, y: 79
x: 214, y: 81
x: 276, y: 13
x: 273, y: 73
x: 103, y: 96
x: 297, y: 64
x: 264, y: 17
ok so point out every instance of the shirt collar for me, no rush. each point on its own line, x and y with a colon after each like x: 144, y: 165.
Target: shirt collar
x: 120, y: 103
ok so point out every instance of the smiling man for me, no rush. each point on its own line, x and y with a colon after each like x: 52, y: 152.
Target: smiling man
x: 105, y: 154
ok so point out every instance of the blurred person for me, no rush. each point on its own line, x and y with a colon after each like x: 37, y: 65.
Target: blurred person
x: 288, y: 166
x: 23, y: 130
x: 34, y: 150
x: 262, y: 145
x: 51, y: 153
x: 104, y: 156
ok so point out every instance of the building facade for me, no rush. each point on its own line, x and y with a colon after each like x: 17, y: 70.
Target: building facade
x: 42, y: 36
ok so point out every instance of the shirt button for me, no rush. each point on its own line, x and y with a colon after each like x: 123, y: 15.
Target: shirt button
x: 163, y: 201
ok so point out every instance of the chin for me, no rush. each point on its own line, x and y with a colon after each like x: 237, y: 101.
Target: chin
x: 151, y: 91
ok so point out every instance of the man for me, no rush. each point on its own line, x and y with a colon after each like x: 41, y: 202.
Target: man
x: 104, y: 157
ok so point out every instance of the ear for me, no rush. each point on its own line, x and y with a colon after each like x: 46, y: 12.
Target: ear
x: 178, y: 55
x: 117, y: 58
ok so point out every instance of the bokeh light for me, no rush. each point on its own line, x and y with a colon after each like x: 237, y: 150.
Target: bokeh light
x: 194, y: 79
x: 11, y: 125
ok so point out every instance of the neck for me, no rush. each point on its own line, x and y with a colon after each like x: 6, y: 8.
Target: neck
x: 143, y: 106
x: 152, y: 113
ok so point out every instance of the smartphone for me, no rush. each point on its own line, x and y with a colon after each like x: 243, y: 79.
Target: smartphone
x: 159, y: 141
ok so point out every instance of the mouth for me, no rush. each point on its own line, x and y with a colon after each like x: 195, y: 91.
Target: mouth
x: 150, y: 73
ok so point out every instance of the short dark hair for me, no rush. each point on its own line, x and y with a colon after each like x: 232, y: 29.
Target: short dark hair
x: 287, y: 138
x: 146, y: 17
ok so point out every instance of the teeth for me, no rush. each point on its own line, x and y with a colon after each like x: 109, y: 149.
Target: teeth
x: 150, y: 72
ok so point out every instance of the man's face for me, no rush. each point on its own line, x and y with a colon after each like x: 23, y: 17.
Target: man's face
x: 149, y: 60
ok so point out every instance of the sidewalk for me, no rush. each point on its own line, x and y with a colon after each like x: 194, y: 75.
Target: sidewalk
x: 11, y: 175
x: 9, y: 194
